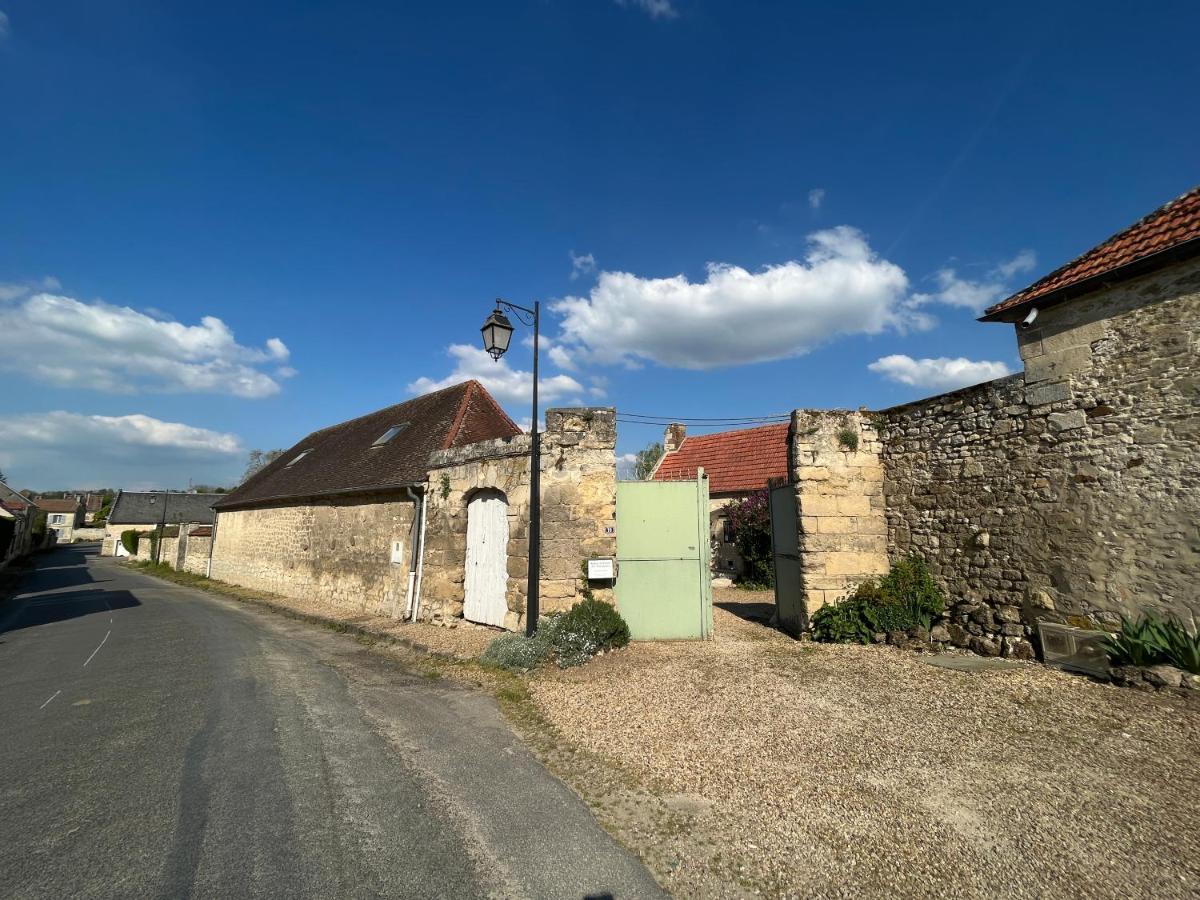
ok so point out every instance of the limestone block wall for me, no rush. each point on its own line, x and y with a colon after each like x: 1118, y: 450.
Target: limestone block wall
x: 579, y: 479
x: 333, y: 550
x: 1070, y: 491
x: 195, y: 554
x: 838, y: 478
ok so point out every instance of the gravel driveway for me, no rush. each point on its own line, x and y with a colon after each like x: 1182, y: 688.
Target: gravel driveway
x: 794, y: 769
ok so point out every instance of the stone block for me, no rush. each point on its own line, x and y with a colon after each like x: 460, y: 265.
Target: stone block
x: 1048, y: 392
x: 1068, y: 421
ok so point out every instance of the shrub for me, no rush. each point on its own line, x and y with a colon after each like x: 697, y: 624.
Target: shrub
x: 570, y: 638
x: 906, y: 597
x: 129, y: 540
x: 847, y: 439
x: 586, y: 629
x: 750, y: 520
x: 515, y: 651
x: 1151, y: 641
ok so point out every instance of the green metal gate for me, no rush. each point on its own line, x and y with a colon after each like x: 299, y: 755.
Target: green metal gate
x: 785, y: 551
x: 664, y: 580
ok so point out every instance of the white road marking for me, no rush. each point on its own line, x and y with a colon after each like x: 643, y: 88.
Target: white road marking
x: 52, y: 696
x: 97, y: 650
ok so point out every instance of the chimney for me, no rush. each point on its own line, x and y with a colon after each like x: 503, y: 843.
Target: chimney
x: 673, y: 437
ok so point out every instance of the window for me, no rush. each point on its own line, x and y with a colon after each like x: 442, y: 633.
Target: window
x: 58, y: 519
x: 389, y: 434
x: 299, y: 456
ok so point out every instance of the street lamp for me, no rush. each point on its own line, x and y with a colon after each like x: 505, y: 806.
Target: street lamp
x: 497, y: 333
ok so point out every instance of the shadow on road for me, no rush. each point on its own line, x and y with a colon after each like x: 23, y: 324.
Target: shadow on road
x: 46, y: 597
x: 71, y: 605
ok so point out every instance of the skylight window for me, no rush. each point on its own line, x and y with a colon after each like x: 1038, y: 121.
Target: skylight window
x: 299, y: 456
x: 389, y: 434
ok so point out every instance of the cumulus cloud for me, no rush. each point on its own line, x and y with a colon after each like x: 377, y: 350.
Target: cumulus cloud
x: 941, y: 374
x: 816, y: 197
x: 655, y: 9
x: 70, y: 343
x: 64, y: 449
x: 512, y: 387
x: 976, y: 294
x: 581, y: 264
x: 735, y: 316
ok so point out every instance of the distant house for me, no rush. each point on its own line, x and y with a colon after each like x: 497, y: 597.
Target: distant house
x: 63, y: 516
x: 147, y: 510
x: 737, y: 464
x: 17, y: 515
x: 92, y: 503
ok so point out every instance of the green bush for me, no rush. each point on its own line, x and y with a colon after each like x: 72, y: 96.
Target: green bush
x: 750, y: 520
x: 570, y: 638
x: 129, y: 540
x: 906, y: 597
x: 1151, y: 641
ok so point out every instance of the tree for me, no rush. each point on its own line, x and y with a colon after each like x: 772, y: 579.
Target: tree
x: 750, y: 520
x: 646, y: 460
x: 259, y: 460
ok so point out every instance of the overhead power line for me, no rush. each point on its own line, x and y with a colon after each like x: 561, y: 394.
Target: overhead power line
x: 687, y: 420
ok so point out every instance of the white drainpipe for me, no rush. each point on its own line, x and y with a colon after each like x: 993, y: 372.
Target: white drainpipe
x: 413, y: 605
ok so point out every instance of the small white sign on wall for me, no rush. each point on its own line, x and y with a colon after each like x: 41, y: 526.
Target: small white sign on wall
x: 397, y: 553
x: 601, y: 570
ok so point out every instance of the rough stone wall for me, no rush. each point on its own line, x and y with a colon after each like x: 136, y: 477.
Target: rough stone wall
x: 578, y: 504
x: 1070, y: 492
x: 838, y: 477
x: 336, y: 551
x: 112, y: 536
x: 195, y: 555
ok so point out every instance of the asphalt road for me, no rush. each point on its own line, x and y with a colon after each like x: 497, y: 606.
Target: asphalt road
x: 156, y: 741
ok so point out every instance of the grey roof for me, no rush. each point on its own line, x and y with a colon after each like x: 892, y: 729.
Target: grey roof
x: 146, y: 508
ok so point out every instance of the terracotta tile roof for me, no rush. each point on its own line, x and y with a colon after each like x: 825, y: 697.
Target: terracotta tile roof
x: 201, y: 531
x: 735, y: 461
x: 1173, y: 227
x: 68, y: 505
x: 344, y: 458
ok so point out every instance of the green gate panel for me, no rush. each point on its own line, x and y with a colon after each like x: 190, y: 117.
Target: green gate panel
x: 664, y: 581
x: 785, y: 551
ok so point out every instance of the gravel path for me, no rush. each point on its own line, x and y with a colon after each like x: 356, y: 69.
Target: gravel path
x: 836, y: 771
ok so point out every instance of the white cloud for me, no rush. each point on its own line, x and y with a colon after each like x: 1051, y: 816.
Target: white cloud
x: 941, y: 374
x: 70, y: 343
x: 1024, y: 261
x: 4, y: 29
x: 655, y: 9
x: 581, y: 264
x: 735, y: 316
x: 512, y: 387
x: 816, y: 197
x: 63, y: 449
x: 976, y: 295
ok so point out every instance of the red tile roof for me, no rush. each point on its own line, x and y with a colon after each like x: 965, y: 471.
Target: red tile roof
x: 1173, y: 227
x: 735, y: 461
x: 68, y: 505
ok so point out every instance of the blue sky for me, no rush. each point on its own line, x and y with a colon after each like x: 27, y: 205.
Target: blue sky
x: 225, y: 225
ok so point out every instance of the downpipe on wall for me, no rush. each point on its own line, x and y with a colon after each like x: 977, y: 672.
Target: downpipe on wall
x: 413, y: 604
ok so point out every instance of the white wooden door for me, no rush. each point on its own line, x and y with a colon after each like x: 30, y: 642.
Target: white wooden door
x: 119, y: 548
x: 486, y: 580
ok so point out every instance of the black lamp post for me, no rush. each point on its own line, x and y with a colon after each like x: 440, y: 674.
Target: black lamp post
x: 497, y: 332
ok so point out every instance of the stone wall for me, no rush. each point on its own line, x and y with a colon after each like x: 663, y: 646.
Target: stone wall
x: 195, y: 554
x: 336, y: 551
x: 1071, y: 491
x: 578, y: 511
x: 838, y: 477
